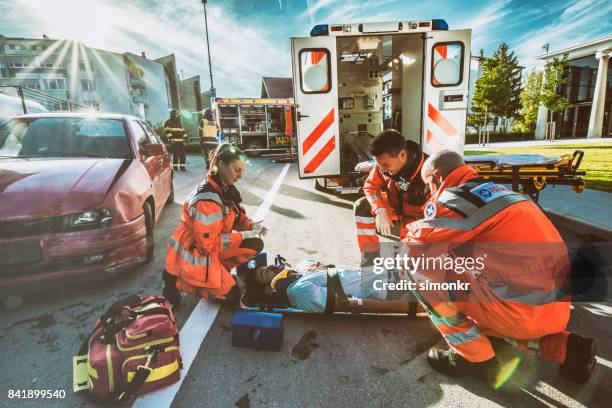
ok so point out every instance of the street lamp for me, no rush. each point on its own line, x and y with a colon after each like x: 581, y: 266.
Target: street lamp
x: 212, y: 86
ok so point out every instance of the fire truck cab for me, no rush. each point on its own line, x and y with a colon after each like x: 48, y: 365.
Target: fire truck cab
x: 351, y: 81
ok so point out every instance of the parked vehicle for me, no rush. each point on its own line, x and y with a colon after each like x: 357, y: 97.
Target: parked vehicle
x: 352, y: 81
x: 11, y: 106
x: 80, y: 194
x: 255, y: 124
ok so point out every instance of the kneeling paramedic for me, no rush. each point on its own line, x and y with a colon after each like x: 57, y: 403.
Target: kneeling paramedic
x: 393, y: 189
x: 519, y: 294
x: 214, y: 235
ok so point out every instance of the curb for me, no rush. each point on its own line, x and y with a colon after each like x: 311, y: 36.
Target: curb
x: 579, y: 226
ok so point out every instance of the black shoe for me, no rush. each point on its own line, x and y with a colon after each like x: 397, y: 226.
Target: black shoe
x: 367, y: 258
x: 232, y: 299
x: 452, y: 364
x: 173, y: 295
x: 579, y: 359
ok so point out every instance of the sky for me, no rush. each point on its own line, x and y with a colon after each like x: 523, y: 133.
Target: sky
x: 251, y: 38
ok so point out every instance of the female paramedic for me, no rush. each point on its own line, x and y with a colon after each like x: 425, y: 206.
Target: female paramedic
x: 214, y: 235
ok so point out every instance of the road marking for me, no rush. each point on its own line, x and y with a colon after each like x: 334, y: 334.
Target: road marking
x: 199, y: 322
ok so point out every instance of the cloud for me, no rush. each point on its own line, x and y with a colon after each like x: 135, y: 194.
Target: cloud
x: 580, y: 21
x: 241, y: 54
x: 483, y: 22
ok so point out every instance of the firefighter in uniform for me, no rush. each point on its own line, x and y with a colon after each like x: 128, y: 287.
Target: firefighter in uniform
x: 392, y: 189
x: 208, y: 135
x: 520, y: 294
x: 214, y: 235
x: 175, y: 135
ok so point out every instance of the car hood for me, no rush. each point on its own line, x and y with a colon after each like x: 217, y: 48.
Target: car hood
x: 37, y: 188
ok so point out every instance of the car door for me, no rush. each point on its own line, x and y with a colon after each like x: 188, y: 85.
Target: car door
x: 316, y: 98
x: 152, y: 164
x: 165, y: 171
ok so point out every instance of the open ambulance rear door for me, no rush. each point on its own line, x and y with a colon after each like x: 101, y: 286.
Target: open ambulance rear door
x: 445, y: 100
x: 316, y: 103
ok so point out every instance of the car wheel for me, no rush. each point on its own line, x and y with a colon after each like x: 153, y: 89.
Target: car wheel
x: 170, y: 199
x: 149, y: 223
x: 256, y: 144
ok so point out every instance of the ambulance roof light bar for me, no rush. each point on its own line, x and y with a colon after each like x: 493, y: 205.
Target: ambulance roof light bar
x: 378, y: 28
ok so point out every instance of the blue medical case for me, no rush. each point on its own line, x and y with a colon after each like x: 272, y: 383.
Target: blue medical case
x: 256, y: 330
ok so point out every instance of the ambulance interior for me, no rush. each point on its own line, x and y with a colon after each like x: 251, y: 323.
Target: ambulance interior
x: 379, y: 87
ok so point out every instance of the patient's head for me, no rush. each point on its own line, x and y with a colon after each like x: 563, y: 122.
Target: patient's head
x: 265, y: 274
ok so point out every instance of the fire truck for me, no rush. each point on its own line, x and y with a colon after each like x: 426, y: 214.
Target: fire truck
x: 257, y: 125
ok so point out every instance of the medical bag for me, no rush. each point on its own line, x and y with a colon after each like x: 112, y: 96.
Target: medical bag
x: 133, y: 349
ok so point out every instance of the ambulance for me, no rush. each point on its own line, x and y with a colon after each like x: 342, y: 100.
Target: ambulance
x: 351, y: 81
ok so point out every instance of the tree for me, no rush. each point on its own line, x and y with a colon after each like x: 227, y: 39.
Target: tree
x: 555, y: 78
x: 530, y: 99
x: 498, y: 88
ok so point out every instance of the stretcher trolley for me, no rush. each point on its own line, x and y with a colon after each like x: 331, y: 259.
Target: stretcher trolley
x: 529, y: 173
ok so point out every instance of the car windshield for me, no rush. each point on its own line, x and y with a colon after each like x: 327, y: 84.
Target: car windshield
x: 63, y: 137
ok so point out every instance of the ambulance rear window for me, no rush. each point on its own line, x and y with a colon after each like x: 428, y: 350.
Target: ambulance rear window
x: 447, y: 64
x: 315, y: 70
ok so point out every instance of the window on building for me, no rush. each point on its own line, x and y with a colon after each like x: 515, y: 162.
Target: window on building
x: 11, y: 46
x: 82, y: 66
x: 34, y: 47
x: 55, y: 84
x: 16, y: 64
x: 93, y: 105
x: 87, y: 85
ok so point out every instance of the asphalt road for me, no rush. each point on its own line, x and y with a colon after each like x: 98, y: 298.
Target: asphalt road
x: 325, y: 361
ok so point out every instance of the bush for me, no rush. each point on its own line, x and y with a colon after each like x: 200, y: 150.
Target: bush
x: 495, y: 137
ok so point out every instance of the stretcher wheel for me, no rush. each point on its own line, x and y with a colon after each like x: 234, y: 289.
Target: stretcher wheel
x: 412, y: 310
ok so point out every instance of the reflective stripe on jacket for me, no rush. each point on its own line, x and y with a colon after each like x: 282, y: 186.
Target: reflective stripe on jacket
x: 209, y: 225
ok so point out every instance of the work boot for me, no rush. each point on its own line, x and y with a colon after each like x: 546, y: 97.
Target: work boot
x: 452, y: 364
x: 367, y: 258
x: 579, y: 359
x: 170, y: 292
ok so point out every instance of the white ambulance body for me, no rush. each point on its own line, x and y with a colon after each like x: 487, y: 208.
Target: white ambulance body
x: 351, y: 81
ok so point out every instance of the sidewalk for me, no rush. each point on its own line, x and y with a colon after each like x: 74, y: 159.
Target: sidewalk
x: 589, y: 212
x: 527, y: 143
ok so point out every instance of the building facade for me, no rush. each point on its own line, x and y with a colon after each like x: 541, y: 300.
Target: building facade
x: 191, y: 105
x: 63, y: 74
x: 588, y: 91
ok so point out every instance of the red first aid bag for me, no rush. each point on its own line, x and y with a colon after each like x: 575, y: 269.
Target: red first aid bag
x: 133, y: 349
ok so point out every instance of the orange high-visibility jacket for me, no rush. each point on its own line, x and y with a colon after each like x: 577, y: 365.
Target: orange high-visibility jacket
x: 209, y: 225
x: 527, y: 264
x: 406, y: 201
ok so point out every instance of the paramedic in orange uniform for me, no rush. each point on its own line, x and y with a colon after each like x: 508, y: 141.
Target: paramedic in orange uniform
x: 518, y: 295
x: 393, y: 189
x: 214, y: 235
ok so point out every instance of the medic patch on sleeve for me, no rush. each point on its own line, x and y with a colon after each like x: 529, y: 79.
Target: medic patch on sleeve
x: 430, y: 210
x: 490, y: 191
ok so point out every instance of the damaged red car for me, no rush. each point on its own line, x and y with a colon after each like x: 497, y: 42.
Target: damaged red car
x: 80, y: 195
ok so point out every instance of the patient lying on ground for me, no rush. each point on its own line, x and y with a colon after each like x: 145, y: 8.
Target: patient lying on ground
x: 314, y: 287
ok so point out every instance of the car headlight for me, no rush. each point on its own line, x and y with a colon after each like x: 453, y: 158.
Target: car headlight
x: 89, y: 219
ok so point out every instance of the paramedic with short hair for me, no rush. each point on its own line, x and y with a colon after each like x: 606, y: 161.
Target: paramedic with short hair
x: 392, y: 189
x: 520, y: 292
x: 214, y: 235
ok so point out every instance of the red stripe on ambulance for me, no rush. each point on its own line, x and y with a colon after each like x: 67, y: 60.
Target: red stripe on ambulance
x: 441, y: 121
x: 318, y: 131
x: 320, y: 157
